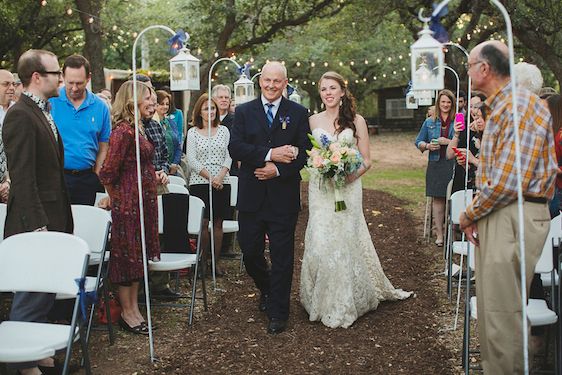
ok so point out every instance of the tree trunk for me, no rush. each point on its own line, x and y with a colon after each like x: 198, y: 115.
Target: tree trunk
x: 93, y: 48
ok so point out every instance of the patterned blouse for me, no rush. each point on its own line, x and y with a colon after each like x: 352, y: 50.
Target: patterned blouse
x: 496, y: 177
x: 198, y: 153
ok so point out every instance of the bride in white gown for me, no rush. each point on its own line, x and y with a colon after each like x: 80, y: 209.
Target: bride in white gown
x: 341, y: 276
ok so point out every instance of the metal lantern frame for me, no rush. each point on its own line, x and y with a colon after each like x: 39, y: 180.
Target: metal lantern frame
x: 184, y: 71
x: 427, y: 54
x: 211, y: 220
x: 184, y: 59
x: 243, y: 90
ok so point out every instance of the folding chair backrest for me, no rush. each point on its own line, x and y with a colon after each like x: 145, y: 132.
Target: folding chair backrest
x: 176, y: 180
x: 233, y: 181
x: 46, y: 262
x: 92, y: 225
x: 173, y: 189
x: 459, y: 204
x: 3, y: 212
x: 545, y: 263
x: 176, y: 188
x: 99, y: 197
x: 195, y: 218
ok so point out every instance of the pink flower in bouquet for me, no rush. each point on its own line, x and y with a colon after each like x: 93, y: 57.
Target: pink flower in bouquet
x: 334, y: 146
x: 317, y: 161
x: 336, y: 157
x: 314, y: 152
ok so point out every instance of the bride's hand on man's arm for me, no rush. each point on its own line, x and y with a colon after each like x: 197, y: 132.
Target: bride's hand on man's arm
x: 283, y: 154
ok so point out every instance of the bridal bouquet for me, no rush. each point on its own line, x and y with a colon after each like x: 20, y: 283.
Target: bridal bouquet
x: 334, y: 160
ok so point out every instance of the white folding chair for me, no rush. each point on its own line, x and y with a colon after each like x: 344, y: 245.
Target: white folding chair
x: 177, y: 188
x: 93, y: 225
x: 458, y: 203
x: 176, y: 180
x: 538, y: 312
x: 46, y: 262
x: 230, y: 226
x: 179, y: 261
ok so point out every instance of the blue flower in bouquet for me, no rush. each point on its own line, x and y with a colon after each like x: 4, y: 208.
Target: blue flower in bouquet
x: 324, y: 140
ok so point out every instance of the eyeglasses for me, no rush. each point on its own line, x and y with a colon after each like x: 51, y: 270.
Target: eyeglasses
x: 8, y: 84
x: 55, y: 72
x: 469, y: 65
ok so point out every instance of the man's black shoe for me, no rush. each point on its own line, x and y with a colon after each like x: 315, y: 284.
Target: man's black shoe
x: 166, y: 295
x: 276, y: 326
x: 263, y: 302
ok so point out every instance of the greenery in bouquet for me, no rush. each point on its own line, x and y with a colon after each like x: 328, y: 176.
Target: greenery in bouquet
x: 334, y: 161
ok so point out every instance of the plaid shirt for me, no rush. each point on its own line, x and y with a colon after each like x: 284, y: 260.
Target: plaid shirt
x: 155, y: 135
x: 496, y: 178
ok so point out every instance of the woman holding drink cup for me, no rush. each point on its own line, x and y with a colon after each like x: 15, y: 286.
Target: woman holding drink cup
x: 457, y: 146
x: 434, y: 136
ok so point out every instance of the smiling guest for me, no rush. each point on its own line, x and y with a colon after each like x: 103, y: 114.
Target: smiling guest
x: 434, y: 136
x: 84, y: 123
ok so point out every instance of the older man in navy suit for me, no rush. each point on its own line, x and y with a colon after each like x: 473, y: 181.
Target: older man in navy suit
x: 269, y: 137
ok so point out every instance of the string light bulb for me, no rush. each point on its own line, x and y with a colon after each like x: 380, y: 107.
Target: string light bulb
x: 43, y: 3
x: 69, y: 11
x: 91, y: 20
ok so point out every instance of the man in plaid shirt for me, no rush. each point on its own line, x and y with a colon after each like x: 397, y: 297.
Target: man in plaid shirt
x: 491, y: 220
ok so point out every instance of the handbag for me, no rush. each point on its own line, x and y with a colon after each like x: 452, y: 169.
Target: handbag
x: 114, y: 310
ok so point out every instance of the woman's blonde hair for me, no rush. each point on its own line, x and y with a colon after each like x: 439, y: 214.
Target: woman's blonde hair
x: 449, y: 94
x: 123, y: 108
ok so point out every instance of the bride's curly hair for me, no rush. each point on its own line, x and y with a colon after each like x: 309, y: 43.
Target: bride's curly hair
x: 348, y: 109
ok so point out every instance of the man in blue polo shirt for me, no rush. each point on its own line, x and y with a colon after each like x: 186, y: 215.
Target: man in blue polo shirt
x: 84, y: 123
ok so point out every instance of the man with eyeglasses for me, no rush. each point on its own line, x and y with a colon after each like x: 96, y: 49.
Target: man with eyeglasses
x: 38, y: 198
x: 7, y: 91
x: 491, y: 220
x: 84, y: 122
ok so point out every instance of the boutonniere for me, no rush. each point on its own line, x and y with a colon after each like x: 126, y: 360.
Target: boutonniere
x: 285, y: 121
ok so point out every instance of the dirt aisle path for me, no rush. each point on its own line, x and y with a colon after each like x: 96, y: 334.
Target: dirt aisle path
x: 398, y: 338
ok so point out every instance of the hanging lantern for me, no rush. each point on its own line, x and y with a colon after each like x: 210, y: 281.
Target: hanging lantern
x: 423, y: 97
x: 243, y: 90
x: 295, y: 97
x: 427, y: 62
x: 184, y: 71
x: 411, y: 101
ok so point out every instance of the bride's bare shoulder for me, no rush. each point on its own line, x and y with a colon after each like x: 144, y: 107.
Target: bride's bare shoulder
x: 315, y: 119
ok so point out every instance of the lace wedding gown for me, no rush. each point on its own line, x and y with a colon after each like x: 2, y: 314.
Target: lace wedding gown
x: 341, y: 276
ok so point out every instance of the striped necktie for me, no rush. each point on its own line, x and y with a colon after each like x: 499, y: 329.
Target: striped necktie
x: 269, y: 114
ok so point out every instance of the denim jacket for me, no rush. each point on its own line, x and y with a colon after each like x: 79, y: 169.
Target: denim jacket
x: 431, y: 129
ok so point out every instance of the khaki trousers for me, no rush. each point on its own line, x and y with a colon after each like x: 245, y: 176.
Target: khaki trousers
x: 498, y: 287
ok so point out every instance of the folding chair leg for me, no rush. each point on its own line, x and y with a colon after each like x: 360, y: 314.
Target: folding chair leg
x: 194, y: 291
x: 108, y: 315
x: 85, y: 353
x: 68, y: 354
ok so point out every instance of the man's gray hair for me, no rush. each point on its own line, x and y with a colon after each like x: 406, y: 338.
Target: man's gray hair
x: 529, y: 77
x: 217, y: 88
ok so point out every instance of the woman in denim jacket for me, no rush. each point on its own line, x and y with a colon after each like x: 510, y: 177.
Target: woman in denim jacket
x: 435, y: 134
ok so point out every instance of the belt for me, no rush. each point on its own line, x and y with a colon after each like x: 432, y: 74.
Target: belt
x: 535, y: 199
x: 78, y: 172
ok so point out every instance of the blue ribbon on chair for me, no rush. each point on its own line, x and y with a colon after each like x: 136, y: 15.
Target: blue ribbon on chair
x: 244, y: 69
x: 177, y: 41
x: 439, y: 32
x: 85, y: 298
